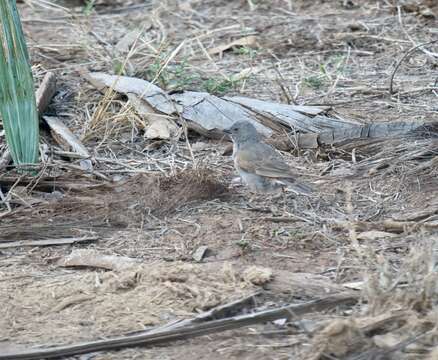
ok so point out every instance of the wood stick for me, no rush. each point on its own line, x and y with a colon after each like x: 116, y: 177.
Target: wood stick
x: 45, y: 92
x: 46, y: 242
x: 187, y: 332
x: 64, y: 136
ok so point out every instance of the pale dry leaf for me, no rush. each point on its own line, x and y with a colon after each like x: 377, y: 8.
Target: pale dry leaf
x: 161, y: 129
x: 245, y: 41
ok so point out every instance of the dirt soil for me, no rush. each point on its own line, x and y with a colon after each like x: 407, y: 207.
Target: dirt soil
x: 157, y: 202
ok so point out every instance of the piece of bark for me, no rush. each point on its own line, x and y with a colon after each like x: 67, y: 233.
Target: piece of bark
x: 210, y: 115
x: 64, y: 136
x: 296, y: 117
x: 68, y: 141
x: 205, y: 113
x: 187, y: 332
x: 45, y: 92
x: 147, y: 91
x: 94, y: 259
x: 214, y: 114
x: 45, y: 242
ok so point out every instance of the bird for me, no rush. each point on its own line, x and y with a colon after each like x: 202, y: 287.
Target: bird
x: 259, y: 165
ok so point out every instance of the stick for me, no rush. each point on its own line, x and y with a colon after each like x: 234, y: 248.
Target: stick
x: 45, y: 242
x: 186, y: 332
x: 64, y: 136
x: 222, y: 311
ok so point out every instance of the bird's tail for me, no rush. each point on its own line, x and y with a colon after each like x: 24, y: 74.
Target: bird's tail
x: 298, y: 187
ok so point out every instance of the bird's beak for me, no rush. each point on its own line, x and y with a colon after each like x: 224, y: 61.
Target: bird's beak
x: 227, y: 131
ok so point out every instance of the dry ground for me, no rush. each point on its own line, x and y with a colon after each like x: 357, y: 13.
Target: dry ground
x: 146, y: 202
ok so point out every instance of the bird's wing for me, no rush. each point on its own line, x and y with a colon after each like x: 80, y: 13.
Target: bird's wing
x: 263, y: 160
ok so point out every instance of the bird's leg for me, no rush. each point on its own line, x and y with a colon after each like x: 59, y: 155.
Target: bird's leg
x: 284, y: 193
x: 280, y: 192
x: 252, y: 198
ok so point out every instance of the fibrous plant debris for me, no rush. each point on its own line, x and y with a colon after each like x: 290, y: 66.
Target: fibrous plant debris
x: 121, y: 204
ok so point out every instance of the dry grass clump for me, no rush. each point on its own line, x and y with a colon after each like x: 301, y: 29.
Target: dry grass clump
x: 189, y: 186
x: 399, y: 309
x: 162, y: 195
x: 118, y: 205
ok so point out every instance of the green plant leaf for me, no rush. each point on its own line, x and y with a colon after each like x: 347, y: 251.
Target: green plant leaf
x: 17, y: 97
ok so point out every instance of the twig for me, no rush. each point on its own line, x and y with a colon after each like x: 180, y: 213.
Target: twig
x: 408, y: 53
x: 185, y: 332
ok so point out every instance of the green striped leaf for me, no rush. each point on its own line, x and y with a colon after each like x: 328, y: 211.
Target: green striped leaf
x: 17, y: 96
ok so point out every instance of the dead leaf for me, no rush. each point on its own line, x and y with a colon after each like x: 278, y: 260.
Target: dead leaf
x: 160, y: 126
x: 161, y: 129
x: 245, y: 41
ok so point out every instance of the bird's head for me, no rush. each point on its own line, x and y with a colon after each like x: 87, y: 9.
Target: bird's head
x: 243, y: 131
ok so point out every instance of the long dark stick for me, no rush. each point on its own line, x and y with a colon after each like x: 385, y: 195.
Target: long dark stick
x: 187, y: 332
